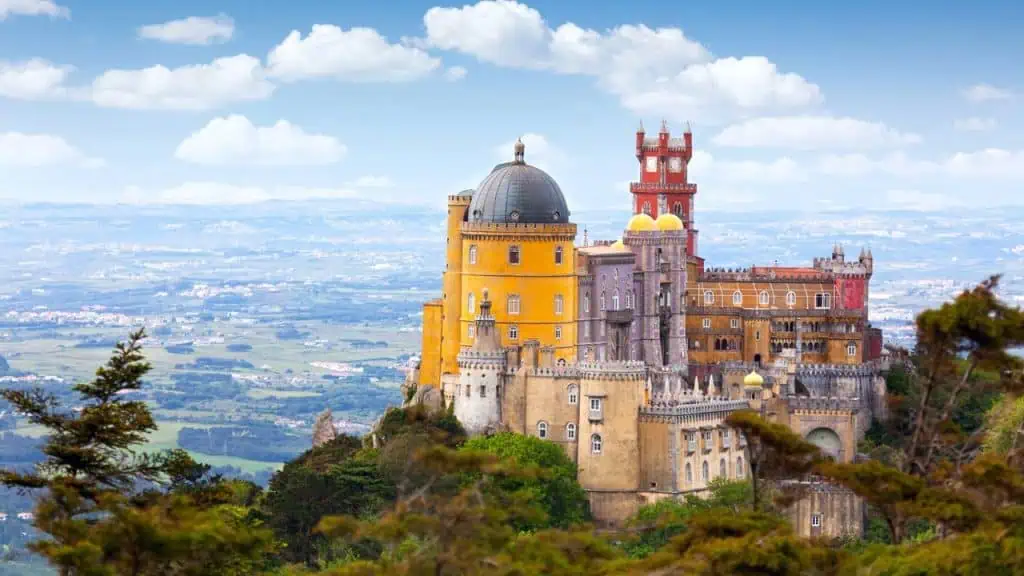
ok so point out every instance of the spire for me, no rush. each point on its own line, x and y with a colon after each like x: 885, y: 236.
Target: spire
x: 688, y: 130
x: 664, y: 126
x: 520, y: 151
x: 640, y: 130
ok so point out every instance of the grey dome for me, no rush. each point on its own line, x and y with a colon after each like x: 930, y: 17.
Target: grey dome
x: 517, y: 193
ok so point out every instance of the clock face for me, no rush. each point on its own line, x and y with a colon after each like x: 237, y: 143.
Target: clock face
x: 652, y: 163
x: 675, y: 164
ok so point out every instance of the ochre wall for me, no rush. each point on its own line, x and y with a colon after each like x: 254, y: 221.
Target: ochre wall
x: 537, y: 279
x: 430, y: 357
x: 452, y: 285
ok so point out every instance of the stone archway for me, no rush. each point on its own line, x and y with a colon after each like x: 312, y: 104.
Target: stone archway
x: 828, y: 441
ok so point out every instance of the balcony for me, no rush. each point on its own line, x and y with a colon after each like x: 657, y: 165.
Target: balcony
x: 619, y: 316
x: 641, y: 187
x: 596, y: 415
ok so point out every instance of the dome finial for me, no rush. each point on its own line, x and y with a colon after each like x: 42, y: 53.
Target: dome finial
x: 520, y: 151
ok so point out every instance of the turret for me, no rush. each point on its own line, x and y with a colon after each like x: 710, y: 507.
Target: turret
x: 663, y: 135
x: 688, y: 139
x: 640, y: 142
x: 481, y: 370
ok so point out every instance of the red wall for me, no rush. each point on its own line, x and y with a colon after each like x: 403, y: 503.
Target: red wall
x: 849, y: 293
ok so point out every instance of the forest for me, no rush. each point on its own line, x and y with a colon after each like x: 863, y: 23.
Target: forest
x: 943, y: 481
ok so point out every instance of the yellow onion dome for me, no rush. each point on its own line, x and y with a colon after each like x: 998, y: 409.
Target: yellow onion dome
x: 641, y: 223
x: 754, y: 380
x: 668, y: 222
x: 618, y: 245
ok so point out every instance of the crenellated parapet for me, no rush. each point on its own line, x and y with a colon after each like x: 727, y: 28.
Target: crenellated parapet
x: 555, y: 372
x: 823, y: 405
x: 527, y: 231
x: 469, y: 359
x: 613, y: 370
x: 838, y: 370
x: 677, y: 412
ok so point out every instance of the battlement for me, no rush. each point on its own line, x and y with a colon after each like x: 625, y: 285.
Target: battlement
x: 833, y: 370
x: 461, y: 199
x: 556, y: 372
x: 613, y: 370
x: 708, y: 407
x: 642, y: 187
x: 806, y: 404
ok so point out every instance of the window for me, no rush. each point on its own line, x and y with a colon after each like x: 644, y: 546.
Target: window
x: 629, y: 299
x: 513, y: 332
x: 709, y: 297
x: 762, y: 298
x: 791, y: 298
x: 513, y: 304
x: 602, y: 302
x: 472, y: 330
x: 483, y: 391
x: 586, y: 303
x: 706, y: 323
x: 471, y: 303
x: 647, y: 208
x: 823, y: 300
x: 469, y: 390
x: 615, y: 300
x: 723, y: 470
x: 595, y: 404
x: 595, y: 444
x: 472, y: 254
x: 757, y: 335
x: 513, y: 255
x: 691, y: 442
x: 704, y: 472
x: 706, y: 437
x: 725, y: 438
x: 815, y: 520
x: 574, y: 394
x: 677, y: 209
x: 559, y: 304
x: 558, y: 254
x: 737, y: 298
x: 542, y: 429
x: 586, y: 329
x: 570, y: 431
x: 558, y: 332
x: 734, y: 323
x: 851, y: 349
x: 689, y: 473
x: 739, y: 467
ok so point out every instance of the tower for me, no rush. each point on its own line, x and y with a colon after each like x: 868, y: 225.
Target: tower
x: 481, y: 369
x: 663, y: 185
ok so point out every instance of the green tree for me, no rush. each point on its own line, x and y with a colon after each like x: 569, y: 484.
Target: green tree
x: 555, y: 488
x: 97, y: 519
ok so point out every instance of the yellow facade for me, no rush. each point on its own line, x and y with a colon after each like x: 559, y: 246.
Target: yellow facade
x: 430, y: 359
x: 534, y: 299
x: 451, y: 337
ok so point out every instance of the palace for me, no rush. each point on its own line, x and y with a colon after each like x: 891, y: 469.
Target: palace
x: 631, y: 353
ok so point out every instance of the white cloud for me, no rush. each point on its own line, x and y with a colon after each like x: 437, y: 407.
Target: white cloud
x: 37, y: 150
x: 455, y: 73
x: 356, y: 55
x: 812, y: 132
x: 651, y: 71
x: 32, y: 8
x: 217, y: 193
x: 704, y: 167
x: 917, y: 200
x: 194, y: 30
x: 236, y: 140
x: 987, y: 163
x: 990, y: 163
x: 34, y: 79
x: 371, y: 182
x: 986, y: 92
x: 975, y: 124
x: 194, y: 87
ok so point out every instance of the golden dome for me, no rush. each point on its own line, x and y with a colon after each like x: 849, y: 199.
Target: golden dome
x: 641, y: 223
x: 618, y: 245
x: 668, y: 222
x: 754, y: 380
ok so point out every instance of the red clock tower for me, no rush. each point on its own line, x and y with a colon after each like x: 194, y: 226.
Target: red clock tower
x: 663, y: 185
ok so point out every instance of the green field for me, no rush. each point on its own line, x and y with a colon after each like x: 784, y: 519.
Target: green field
x: 262, y: 393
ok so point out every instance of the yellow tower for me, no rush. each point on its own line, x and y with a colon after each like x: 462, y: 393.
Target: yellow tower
x: 452, y: 284
x: 518, y: 249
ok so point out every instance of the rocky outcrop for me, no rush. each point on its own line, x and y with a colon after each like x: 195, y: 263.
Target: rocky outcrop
x: 323, y: 430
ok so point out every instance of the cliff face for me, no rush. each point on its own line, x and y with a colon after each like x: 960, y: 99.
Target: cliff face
x: 323, y: 430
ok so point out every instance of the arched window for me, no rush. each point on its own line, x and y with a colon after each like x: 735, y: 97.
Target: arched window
x: 689, y: 473
x: 602, y: 302
x: 762, y: 298
x: 709, y: 297
x: 471, y: 303
x: 791, y: 298
x: 615, y: 300
x: 677, y: 209
x: 595, y: 444
x: 704, y: 473
x: 647, y: 208
x: 472, y: 254
x: 586, y: 303
x: 723, y: 470
x: 513, y: 255
x: 570, y: 431
x: 513, y: 304
x: 739, y: 466
x: 542, y: 429
x: 573, y: 394
x: 851, y: 349
x: 559, y: 304
x: 558, y: 254
x: 737, y: 298
x: 629, y: 299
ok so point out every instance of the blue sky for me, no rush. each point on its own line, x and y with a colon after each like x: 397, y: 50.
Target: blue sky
x: 803, y: 104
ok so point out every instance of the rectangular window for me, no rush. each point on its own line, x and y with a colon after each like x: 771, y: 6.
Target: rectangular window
x: 558, y: 332
x: 513, y: 332
x: 472, y: 254
x: 706, y: 323
x: 513, y: 304
x: 469, y: 390
x: 472, y: 330
x: 823, y: 300
x: 734, y: 323
x: 483, y: 391
x: 559, y: 304
x: 691, y: 442
x: 851, y: 350
x: 725, y: 439
x: 513, y: 255
x: 815, y: 520
x: 558, y: 255
x: 595, y: 404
